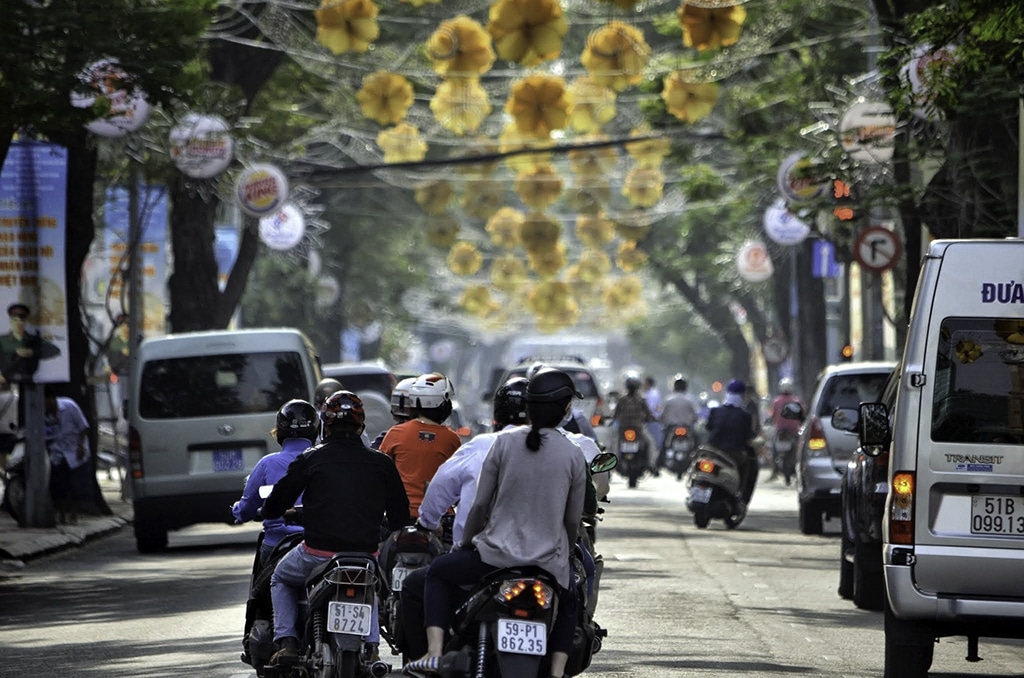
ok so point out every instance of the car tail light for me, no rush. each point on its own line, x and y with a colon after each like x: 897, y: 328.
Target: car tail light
x: 629, y: 435
x: 135, y: 454
x: 901, y: 508
x: 816, y: 445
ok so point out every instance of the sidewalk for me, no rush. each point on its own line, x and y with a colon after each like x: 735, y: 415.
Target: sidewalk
x: 18, y: 545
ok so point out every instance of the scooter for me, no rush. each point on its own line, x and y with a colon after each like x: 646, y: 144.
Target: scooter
x: 784, y: 454
x: 408, y: 549
x: 679, y: 447
x: 632, y: 454
x: 714, y: 489
x: 258, y: 636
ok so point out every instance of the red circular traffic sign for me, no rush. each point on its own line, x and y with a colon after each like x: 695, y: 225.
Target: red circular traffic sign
x: 877, y: 248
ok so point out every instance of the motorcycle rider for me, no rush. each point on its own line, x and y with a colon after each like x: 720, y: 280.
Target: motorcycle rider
x: 575, y: 421
x: 531, y: 476
x: 347, y: 491
x: 419, y: 446
x: 790, y: 426
x: 730, y: 430
x: 400, y: 409
x: 631, y: 411
x: 677, y: 410
x: 324, y: 388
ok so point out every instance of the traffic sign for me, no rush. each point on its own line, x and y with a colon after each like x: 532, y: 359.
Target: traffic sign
x: 877, y: 248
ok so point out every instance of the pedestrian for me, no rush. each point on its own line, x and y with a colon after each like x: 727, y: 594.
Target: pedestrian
x: 67, y: 440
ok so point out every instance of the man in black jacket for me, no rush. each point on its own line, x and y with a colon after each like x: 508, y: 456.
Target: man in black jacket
x: 347, y: 490
x: 730, y: 429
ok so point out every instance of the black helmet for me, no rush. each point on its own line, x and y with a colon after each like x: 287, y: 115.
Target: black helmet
x: 343, y: 410
x: 510, y: 402
x: 325, y: 388
x: 632, y: 384
x: 297, y: 419
x: 550, y: 385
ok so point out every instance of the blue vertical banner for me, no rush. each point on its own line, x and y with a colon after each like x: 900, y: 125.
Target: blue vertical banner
x: 33, y: 291
x: 153, y: 214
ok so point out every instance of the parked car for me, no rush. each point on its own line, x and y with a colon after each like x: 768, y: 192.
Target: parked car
x: 864, y: 488
x: 363, y: 376
x: 823, y: 451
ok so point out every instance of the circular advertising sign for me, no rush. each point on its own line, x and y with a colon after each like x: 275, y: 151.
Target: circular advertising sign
x: 753, y: 262
x: 284, y: 229
x: 125, y: 105
x: 261, y: 190
x: 800, y: 178
x: 202, y: 146
x: 867, y: 132
x: 782, y: 226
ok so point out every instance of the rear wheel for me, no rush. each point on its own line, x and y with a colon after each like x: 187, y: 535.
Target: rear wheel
x: 701, y: 519
x: 909, y: 647
x: 347, y: 665
x: 810, y: 518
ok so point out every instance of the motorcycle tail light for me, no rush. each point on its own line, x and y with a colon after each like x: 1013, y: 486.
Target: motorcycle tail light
x: 706, y: 466
x: 629, y: 435
x: 816, y: 445
x: 680, y: 431
x: 901, y: 508
x: 513, y: 589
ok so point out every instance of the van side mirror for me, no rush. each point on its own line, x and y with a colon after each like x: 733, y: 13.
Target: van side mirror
x: 845, y: 419
x: 874, y: 426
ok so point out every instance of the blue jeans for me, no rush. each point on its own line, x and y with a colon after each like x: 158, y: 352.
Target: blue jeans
x: 287, y: 586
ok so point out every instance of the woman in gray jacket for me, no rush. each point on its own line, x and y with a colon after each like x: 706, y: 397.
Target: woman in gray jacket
x: 528, y: 505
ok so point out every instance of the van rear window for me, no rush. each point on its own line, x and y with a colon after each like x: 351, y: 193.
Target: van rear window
x: 214, y: 385
x: 978, y: 395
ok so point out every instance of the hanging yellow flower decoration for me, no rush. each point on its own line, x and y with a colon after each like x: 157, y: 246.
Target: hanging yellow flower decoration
x: 539, y: 104
x: 402, y: 143
x: 593, y: 105
x: 539, y: 188
x: 476, y: 300
x: 465, y: 259
x: 539, y: 232
x: 649, y: 152
x: 629, y: 257
x: 442, y: 231
x: 344, y: 26
x: 616, y: 55
x: 590, y: 198
x: 514, y: 140
x: 483, y: 198
x: 507, y: 273
x: 594, y: 230
x: 504, y: 227
x: 461, y: 105
x: 623, y: 4
x: 420, y: 3
x: 643, y: 187
x: 483, y: 168
x: 553, y: 301
x: 597, y: 161
x: 385, y: 97
x: 635, y: 230
x: 435, y: 197
x: 689, y: 101
x: 711, y: 27
x: 593, y: 266
x: 549, y: 262
x: 527, y: 31
x: 460, y: 48
x: 623, y: 293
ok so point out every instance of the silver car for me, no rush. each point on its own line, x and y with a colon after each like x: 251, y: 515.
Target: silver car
x: 824, y: 451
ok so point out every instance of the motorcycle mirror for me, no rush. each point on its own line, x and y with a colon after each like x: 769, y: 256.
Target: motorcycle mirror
x: 265, y: 491
x: 603, y: 462
x: 792, y: 411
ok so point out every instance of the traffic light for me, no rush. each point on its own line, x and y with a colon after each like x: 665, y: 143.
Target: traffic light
x: 847, y: 353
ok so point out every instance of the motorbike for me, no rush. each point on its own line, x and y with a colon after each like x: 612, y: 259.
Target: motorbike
x: 679, y: 447
x: 14, y: 478
x: 258, y: 635
x: 714, y: 489
x: 784, y: 454
x: 632, y: 454
x: 409, y: 549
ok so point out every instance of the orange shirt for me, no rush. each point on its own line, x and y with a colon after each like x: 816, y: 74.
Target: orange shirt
x: 418, y: 448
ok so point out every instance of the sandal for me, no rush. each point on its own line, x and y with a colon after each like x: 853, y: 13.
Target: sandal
x: 422, y: 667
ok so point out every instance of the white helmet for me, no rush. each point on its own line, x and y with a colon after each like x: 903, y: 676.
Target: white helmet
x: 400, y: 398
x: 786, y: 386
x: 430, y: 390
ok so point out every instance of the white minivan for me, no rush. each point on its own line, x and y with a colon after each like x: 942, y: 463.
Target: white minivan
x: 200, y: 412
x: 953, y: 532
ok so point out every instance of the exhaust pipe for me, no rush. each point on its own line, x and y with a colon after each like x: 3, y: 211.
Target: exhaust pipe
x: 379, y: 669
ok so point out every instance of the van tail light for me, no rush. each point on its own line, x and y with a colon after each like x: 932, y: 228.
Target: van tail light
x: 816, y: 446
x: 135, y: 454
x: 901, y: 509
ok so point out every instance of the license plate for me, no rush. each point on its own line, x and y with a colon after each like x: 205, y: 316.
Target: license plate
x: 349, y: 618
x: 700, y: 495
x: 398, y: 576
x: 997, y: 514
x: 522, y: 637
x: 228, y: 460
x: 682, y: 445
x: 783, y: 446
x: 631, y: 447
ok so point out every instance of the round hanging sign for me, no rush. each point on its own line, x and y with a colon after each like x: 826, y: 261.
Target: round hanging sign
x: 867, y: 132
x: 126, y: 108
x: 261, y: 190
x: 202, y: 146
x: 782, y: 226
x: 919, y: 73
x: 800, y: 178
x: 284, y: 229
x: 753, y: 262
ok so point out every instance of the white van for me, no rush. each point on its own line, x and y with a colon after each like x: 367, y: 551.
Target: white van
x: 953, y: 532
x: 200, y: 412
